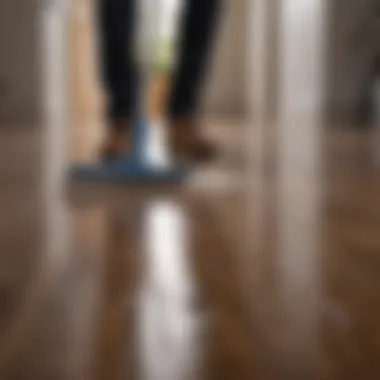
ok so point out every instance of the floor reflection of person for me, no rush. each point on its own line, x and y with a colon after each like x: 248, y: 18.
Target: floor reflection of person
x: 118, y: 31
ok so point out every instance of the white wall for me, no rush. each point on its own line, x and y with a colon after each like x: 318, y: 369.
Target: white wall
x: 19, y: 95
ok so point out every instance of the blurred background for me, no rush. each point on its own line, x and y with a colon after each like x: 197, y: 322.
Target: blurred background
x: 264, y: 264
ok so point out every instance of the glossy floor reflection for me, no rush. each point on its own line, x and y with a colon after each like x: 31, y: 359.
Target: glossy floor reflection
x: 272, y: 275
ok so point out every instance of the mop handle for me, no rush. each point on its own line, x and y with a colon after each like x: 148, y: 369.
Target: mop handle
x: 149, y: 17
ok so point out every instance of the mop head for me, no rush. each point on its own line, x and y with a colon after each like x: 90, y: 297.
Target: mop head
x: 127, y: 171
x: 136, y: 167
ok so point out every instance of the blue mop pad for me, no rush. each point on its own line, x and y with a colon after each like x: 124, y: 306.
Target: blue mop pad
x: 134, y: 168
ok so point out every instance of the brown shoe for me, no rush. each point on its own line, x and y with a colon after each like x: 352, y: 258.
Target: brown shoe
x: 186, y: 143
x: 117, y: 143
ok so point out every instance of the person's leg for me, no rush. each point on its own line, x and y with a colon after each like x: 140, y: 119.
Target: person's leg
x: 199, y: 24
x: 116, y: 21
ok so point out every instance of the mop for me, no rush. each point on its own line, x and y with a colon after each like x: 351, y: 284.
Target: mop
x: 137, y: 165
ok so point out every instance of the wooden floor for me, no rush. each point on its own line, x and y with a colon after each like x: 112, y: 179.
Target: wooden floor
x: 266, y: 269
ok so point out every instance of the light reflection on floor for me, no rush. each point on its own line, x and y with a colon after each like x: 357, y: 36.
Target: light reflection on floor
x: 168, y: 327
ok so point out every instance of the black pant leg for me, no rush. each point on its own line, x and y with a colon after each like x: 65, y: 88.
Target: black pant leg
x: 117, y: 24
x: 199, y: 22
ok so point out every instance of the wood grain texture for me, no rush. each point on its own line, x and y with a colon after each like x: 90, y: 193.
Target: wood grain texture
x: 271, y: 279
